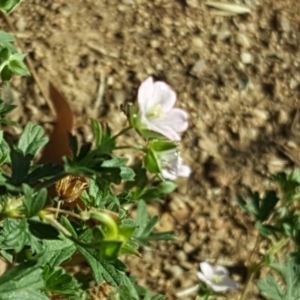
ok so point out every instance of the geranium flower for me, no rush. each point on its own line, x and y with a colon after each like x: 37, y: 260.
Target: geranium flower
x: 216, y: 277
x: 171, y: 165
x: 155, y: 102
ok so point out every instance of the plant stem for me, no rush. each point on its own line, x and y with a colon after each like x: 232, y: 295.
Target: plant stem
x: 63, y: 211
x: 135, y: 147
x: 108, y: 221
x: 251, y: 270
x: 57, y: 225
x: 121, y: 132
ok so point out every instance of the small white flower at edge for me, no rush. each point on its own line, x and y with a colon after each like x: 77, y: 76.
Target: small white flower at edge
x: 156, y: 101
x: 216, y: 277
x: 171, y: 165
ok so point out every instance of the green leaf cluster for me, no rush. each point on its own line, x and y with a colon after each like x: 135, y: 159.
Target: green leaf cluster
x: 288, y: 288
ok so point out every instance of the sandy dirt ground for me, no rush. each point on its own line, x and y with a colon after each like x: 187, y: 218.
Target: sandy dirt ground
x: 237, y: 76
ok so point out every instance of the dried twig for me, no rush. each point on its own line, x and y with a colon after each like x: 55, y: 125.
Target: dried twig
x: 101, y: 89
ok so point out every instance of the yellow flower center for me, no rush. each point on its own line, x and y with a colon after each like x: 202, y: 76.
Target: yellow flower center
x: 156, y: 112
x: 217, y: 279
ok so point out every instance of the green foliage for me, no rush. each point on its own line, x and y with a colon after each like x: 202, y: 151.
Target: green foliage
x: 12, y: 64
x: 4, y: 110
x: 33, y: 202
x: 32, y: 139
x: 15, y: 235
x: 8, y: 6
x: 7, y: 42
x: 130, y: 290
x: 23, y: 282
x: 273, y: 289
x: 44, y: 226
x: 144, y: 234
x: 289, y: 184
x: 4, y: 150
x: 58, y: 282
x: 261, y: 209
x: 103, y: 270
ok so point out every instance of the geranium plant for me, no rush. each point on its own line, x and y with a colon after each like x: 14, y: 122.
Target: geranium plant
x: 58, y: 204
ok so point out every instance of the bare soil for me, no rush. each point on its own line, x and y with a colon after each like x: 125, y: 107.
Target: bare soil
x: 237, y: 76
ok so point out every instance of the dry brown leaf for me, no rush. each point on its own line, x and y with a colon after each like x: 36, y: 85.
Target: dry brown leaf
x: 58, y: 145
x: 70, y: 187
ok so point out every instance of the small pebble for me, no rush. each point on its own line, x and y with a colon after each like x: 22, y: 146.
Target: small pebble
x: 198, y: 68
x: 243, y: 40
x: 197, y: 42
x: 246, y: 58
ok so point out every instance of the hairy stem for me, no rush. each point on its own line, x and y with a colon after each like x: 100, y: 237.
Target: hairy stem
x: 121, y: 132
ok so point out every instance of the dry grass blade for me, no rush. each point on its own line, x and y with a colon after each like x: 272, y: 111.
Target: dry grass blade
x: 101, y: 90
x: 229, y: 9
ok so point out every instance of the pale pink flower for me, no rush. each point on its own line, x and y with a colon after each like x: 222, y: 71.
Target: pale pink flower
x: 156, y: 101
x: 216, y: 277
x: 171, y: 165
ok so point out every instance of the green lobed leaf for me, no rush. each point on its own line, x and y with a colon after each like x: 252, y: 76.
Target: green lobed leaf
x: 102, y: 270
x: 289, y: 184
x: 97, y: 129
x: 290, y: 273
x: 5, y: 53
x: 114, y: 162
x: 127, y: 173
x: 17, y: 67
x: 32, y: 139
x: 7, y: 40
x: 57, y: 251
x: 166, y: 187
x: 267, y: 205
x: 4, y: 150
x: 73, y: 143
x: 265, y: 230
x: 7, y: 6
x: 128, y: 288
x: 270, y: 288
x: 20, y: 165
x: 23, y: 282
x: 42, y: 230
x: 6, y: 73
x: 16, y: 235
x: 61, y: 283
x: 34, y: 201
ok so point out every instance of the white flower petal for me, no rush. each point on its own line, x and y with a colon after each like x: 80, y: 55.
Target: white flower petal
x: 156, y: 112
x: 184, y: 171
x: 220, y: 270
x: 207, y: 270
x: 164, y: 130
x: 219, y: 288
x: 229, y: 283
x: 145, y: 95
x: 168, y: 175
x: 175, y: 118
x: 204, y: 279
x: 163, y: 95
